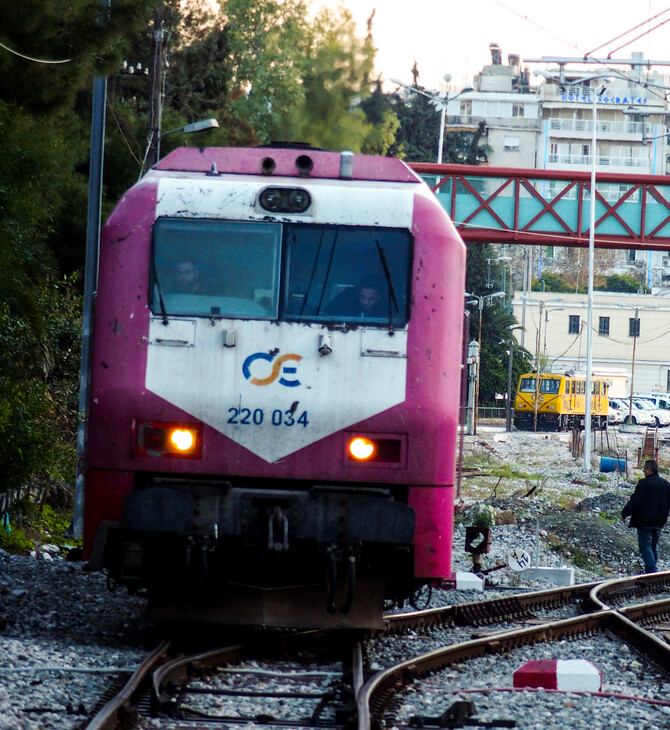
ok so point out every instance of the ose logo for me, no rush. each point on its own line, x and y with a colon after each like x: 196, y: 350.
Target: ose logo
x: 278, y: 368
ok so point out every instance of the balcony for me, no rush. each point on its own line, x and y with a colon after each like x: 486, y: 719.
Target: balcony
x: 603, y: 126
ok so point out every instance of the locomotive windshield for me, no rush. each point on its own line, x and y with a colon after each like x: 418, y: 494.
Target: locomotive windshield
x: 215, y: 268
x: 294, y: 272
x: 346, y: 274
x: 550, y: 385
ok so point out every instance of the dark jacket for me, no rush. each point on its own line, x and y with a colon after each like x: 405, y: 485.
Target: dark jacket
x: 650, y: 502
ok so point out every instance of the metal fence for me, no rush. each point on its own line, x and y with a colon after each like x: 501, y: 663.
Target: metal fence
x: 491, y: 412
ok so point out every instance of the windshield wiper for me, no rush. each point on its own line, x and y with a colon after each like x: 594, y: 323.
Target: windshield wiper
x: 387, y: 273
x: 161, y: 301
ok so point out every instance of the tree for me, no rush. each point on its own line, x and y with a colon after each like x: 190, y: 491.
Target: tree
x: 624, y: 283
x: 56, y: 48
x: 551, y: 282
x: 418, y: 137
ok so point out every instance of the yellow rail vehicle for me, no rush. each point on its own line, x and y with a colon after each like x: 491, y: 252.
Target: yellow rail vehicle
x: 561, y: 400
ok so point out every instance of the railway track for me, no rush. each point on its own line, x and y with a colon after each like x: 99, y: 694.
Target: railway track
x: 342, y: 687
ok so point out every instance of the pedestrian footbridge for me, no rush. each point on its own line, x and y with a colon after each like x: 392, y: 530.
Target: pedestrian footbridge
x: 552, y: 207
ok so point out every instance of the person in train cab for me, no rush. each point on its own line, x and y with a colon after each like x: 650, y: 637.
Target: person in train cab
x: 648, y: 508
x: 188, y: 280
x: 365, y: 300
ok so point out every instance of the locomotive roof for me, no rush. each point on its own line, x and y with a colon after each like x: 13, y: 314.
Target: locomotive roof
x: 284, y: 162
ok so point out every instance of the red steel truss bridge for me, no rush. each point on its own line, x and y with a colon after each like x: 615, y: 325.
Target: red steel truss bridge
x: 552, y: 207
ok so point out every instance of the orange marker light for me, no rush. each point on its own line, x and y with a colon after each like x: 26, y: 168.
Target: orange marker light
x: 361, y: 448
x: 168, y: 440
x: 183, y: 440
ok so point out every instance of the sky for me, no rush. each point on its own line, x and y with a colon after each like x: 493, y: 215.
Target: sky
x: 453, y: 36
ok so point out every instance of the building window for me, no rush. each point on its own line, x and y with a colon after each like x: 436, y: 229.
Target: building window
x: 511, y: 143
x: 551, y: 252
x: 518, y: 110
x: 634, y: 327
x: 631, y: 254
x: 668, y: 381
x: 573, y: 324
x: 603, y: 325
x: 466, y: 108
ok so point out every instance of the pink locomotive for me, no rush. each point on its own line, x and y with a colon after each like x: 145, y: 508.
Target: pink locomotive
x: 275, y: 387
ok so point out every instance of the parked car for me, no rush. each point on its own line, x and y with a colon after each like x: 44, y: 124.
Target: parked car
x: 639, y: 416
x: 660, y: 400
x: 661, y: 416
x: 614, y: 416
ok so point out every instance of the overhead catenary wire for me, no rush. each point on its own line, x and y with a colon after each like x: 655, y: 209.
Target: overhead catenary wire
x: 587, y: 55
x: 625, y: 33
x: 32, y: 59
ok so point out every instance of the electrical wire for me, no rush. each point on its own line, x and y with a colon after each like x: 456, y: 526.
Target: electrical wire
x: 632, y: 40
x: 30, y: 58
x: 630, y: 30
x: 606, y: 67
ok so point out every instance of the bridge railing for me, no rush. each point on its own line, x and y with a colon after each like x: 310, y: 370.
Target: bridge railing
x: 551, y: 207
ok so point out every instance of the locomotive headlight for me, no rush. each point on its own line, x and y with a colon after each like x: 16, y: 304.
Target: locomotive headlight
x: 361, y: 448
x: 372, y: 449
x: 156, y: 438
x: 285, y: 200
x: 182, y: 439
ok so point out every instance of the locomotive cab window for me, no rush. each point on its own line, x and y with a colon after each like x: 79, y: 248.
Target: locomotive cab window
x: 215, y: 268
x: 527, y: 385
x: 345, y: 274
x: 550, y: 385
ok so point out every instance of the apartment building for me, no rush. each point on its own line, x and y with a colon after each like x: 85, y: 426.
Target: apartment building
x: 545, y: 121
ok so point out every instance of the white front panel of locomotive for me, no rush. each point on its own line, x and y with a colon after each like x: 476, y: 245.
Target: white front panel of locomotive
x: 273, y: 392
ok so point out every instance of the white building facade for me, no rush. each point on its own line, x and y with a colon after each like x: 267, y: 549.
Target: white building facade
x: 630, y: 344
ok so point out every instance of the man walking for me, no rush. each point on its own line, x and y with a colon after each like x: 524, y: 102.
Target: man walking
x: 648, y: 509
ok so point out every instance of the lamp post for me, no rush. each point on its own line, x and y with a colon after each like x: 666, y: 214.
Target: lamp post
x: 199, y: 126
x: 538, y: 338
x: 592, y: 222
x: 440, y: 103
x: 510, y: 363
x: 546, y: 326
x: 479, y: 301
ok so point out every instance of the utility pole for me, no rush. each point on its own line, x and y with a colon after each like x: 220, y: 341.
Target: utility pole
x: 157, y: 84
x: 90, y: 282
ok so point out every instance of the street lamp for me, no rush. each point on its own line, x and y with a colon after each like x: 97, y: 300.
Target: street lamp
x: 199, y: 126
x: 440, y: 103
x: 592, y: 223
x: 546, y: 325
x: 542, y: 303
x: 479, y: 300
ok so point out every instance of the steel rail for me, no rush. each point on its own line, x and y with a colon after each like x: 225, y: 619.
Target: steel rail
x: 378, y: 691
x: 619, y: 587
x: 115, y: 713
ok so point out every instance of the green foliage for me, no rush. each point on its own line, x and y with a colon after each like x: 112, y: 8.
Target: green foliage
x: 623, y: 283
x: 31, y: 523
x: 418, y: 136
x: 38, y: 388
x: 484, y: 515
x: 81, y: 33
x: 497, y: 323
x: 551, y: 282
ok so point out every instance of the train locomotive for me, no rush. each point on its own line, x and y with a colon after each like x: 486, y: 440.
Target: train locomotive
x: 265, y: 447
x: 557, y: 402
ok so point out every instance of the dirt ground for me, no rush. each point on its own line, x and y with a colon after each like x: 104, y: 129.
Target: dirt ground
x: 542, y: 499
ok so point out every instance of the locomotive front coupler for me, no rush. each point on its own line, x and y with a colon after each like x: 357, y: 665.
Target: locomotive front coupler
x: 335, y: 555
x: 278, y: 531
